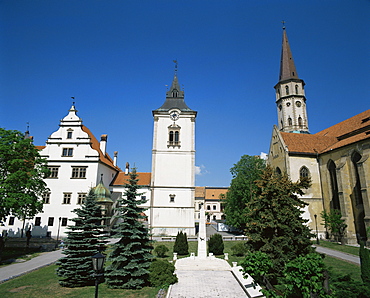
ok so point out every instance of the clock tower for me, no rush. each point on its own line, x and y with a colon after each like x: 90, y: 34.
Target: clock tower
x: 173, y: 165
x: 290, y: 94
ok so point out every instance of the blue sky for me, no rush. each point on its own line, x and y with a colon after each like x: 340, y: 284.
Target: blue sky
x: 116, y: 58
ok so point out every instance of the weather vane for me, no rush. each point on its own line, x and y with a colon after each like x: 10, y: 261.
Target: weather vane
x: 175, y: 61
x: 73, y: 102
x: 283, y: 24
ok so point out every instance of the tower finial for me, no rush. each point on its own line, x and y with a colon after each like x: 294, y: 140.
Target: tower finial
x: 283, y: 22
x: 175, y: 61
x: 73, y: 102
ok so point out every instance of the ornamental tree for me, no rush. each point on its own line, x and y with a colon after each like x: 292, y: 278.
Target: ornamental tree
x: 273, y: 221
x: 181, y: 245
x: 131, y: 255
x: 84, y: 239
x: 242, y: 189
x: 21, y: 176
x: 216, y: 244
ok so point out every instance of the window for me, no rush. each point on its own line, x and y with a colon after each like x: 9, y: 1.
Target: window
x: 38, y: 221
x: 64, y: 221
x: 300, y: 123
x: 304, y: 172
x: 208, y: 207
x: 11, y: 220
x: 81, y: 198
x: 287, y: 90
x: 214, y: 217
x: 78, y: 172
x: 67, y: 152
x: 53, y: 172
x: 172, y: 198
x: 290, y: 121
x: 214, y: 207
x: 67, y: 198
x: 46, y: 198
x: 173, y: 135
x: 69, y: 134
x: 51, y: 221
x: 296, y: 89
x: 143, y: 197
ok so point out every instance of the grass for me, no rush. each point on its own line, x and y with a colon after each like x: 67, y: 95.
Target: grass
x: 341, y: 267
x: 343, y: 248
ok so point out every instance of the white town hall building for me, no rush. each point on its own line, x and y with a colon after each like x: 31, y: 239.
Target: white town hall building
x: 78, y: 162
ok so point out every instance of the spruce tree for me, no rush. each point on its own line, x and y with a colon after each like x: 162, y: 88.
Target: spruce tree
x: 84, y: 239
x: 274, y: 223
x: 216, y: 244
x: 131, y: 255
x: 365, y: 264
x: 181, y: 244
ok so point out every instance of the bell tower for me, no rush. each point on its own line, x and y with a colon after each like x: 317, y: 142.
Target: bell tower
x: 290, y: 94
x: 173, y: 165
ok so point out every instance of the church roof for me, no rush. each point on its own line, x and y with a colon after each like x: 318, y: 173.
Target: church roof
x: 122, y: 179
x: 104, y: 158
x: 287, y: 66
x: 174, y: 98
x: 352, y: 130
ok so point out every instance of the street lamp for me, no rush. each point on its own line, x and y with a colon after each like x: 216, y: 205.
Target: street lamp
x: 317, y: 232
x: 56, y: 245
x: 98, y: 265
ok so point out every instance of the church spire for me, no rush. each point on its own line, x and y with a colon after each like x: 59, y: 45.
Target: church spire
x: 287, y: 67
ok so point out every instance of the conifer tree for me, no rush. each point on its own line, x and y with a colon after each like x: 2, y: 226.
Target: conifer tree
x: 131, y: 255
x: 85, y: 239
x: 181, y: 244
x: 274, y: 224
x: 365, y: 264
x: 216, y: 244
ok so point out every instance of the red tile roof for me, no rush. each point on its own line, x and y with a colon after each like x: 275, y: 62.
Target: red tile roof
x: 122, y: 179
x: 352, y: 130
x: 104, y: 158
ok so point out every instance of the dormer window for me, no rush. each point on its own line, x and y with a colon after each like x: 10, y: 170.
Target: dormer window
x: 175, y: 93
x: 69, y: 134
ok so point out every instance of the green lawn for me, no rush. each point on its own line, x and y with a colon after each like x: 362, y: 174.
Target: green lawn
x: 343, y: 248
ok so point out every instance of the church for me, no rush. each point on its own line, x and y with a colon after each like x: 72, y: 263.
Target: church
x: 336, y: 158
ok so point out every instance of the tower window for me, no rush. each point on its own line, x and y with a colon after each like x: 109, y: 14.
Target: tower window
x: 296, y: 89
x: 173, y: 136
x: 290, y: 121
x: 300, y: 123
x: 304, y: 172
x: 287, y: 90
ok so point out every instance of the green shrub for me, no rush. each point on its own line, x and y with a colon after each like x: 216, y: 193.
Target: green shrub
x: 239, y: 249
x: 161, y: 251
x: 181, y: 244
x: 161, y: 273
x: 216, y: 244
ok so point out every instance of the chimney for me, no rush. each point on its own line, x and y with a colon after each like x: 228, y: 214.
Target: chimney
x: 115, y: 158
x: 103, y: 143
x: 127, y: 168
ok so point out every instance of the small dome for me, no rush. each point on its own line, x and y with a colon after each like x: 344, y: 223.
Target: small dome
x: 102, y: 194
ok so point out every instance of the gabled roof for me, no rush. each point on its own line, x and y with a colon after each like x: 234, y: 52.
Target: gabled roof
x: 122, y: 179
x: 104, y: 158
x: 352, y: 130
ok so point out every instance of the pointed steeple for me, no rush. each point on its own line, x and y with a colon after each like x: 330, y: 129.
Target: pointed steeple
x: 287, y: 67
x: 175, y: 97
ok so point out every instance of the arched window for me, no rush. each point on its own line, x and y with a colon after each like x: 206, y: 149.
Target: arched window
x: 296, y: 89
x: 334, y: 203
x: 304, y: 172
x: 287, y: 90
x: 300, y: 123
x: 290, y: 122
x: 278, y: 92
x: 177, y: 137
x: 171, y: 137
x: 278, y: 171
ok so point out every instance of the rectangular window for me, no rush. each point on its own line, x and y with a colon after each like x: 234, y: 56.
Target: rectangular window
x: 38, y: 221
x: 214, y: 207
x: 46, y: 198
x: 67, y: 198
x: 69, y: 135
x: 67, y: 152
x: 53, y: 172
x: 64, y: 221
x: 11, y: 220
x: 78, y: 172
x: 51, y: 221
x: 81, y: 198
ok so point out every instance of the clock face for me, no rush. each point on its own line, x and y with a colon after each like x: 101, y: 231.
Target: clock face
x: 174, y: 115
x: 298, y: 103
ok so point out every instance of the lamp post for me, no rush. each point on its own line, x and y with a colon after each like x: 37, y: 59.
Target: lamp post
x: 98, y: 265
x: 56, y: 245
x: 317, y: 232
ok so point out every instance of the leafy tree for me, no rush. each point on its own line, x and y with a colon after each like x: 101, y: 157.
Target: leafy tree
x: 162, y: 273
x: 216, y: 244
x: 131, y: 255
x: 84, y: 239
x: 239, y: 249
x: 258, y: 264
x: 365, y: 264
x: 273, y: 220
x: 181, y: 244
x: 161, y: 251
x: 242, y: 189
x: 334, y: 223
x: 21, y: 176
x: 304, y: 277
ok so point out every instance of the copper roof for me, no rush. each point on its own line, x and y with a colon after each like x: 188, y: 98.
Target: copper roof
x: 352, y: 130
x: 104, y: 158
x: 122, y: 179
